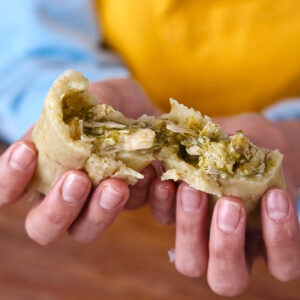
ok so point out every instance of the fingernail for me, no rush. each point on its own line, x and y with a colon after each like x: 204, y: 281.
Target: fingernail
x: 190, y: 199
x: 74, y: 188
x: 161, y: 192
x: 21, y: 157
x: 110, y: 197
x: 229, y: 214
x: 277, y: 205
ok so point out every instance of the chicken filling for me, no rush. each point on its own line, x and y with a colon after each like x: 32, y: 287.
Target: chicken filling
x: 206, y: 146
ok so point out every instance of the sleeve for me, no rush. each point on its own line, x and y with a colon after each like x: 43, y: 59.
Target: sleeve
x: 284, y: 110
x: 39, y: 40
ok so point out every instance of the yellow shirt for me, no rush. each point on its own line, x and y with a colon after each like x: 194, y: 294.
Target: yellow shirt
x: 219, y: 56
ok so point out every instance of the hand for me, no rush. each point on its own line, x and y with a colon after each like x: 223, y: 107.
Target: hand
x: 71, y: 205
x: 226, y: 256
x: 124, y: 95
x: 127, y: 96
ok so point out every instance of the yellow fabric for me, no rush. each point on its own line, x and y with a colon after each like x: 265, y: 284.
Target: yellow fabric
x: 221, y: 57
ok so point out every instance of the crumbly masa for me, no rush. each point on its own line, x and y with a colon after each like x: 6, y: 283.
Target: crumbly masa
x: 76, y: 132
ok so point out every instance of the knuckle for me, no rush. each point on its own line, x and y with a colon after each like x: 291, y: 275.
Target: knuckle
x: 188, y: 229
x: 223, y: 252
x: 83, y: 239
x: 157, y: 205
x: 161, y: 206
x: 9, y: 192
x: 99, y: 224
x: 91, y: 231
x: 54, y: 216
x: 284, y: 241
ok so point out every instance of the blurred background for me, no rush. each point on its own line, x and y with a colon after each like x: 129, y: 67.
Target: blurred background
x: 39, y: 40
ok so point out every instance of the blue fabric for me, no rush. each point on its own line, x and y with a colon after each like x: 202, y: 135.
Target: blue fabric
x: 283, y: 110
x: 39, y: 40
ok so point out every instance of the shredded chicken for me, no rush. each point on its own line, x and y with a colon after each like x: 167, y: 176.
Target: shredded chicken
x: 203, y: 145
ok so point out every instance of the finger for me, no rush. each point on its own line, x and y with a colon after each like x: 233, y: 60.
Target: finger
x: 254, y: 246
x: 158, y: 167
x: 139, y: 191
x: 46, y: 222
x: 162, y: 200
x: 191, y: 252
x: 17, y: 165
x: 105, y: 205
x: 281, y: 234
x: 227, y: 268
x: 28, y: 134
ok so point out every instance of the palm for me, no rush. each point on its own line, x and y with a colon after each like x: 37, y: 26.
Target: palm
x: 125, y: 95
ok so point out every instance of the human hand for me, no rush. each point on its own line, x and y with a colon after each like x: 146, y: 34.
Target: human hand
x: 226, y: 256
x: 128, y: 97
x: 71, y: 205
x: 124, y: 95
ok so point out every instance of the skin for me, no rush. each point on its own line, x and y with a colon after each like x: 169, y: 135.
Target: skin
x: 225, y: 257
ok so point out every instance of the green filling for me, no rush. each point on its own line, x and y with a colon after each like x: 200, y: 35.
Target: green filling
x: 207, y: 148
x: 190, y: 159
